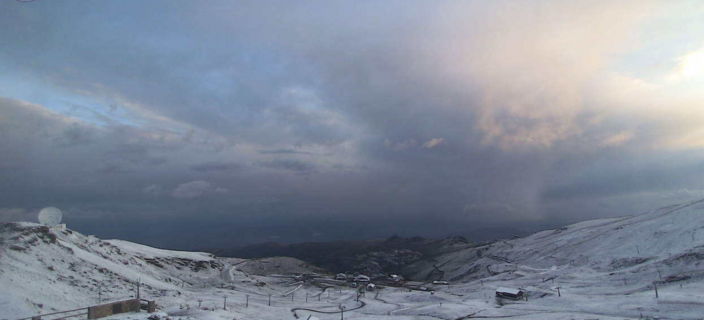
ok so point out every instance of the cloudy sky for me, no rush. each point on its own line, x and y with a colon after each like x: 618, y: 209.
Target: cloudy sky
x: 216, y: 123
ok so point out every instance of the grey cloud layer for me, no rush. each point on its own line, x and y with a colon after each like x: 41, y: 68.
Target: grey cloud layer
x: 434, y: 118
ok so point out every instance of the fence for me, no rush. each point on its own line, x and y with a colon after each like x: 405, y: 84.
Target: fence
x: 63, y: 314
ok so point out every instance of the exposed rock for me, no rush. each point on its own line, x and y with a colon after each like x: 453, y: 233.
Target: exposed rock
x: 17, y: 247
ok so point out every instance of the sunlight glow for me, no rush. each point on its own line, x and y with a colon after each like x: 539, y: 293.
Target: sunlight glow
x: 692, y: 64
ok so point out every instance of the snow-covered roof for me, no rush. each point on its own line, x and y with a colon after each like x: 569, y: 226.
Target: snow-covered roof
x: 508, y: 290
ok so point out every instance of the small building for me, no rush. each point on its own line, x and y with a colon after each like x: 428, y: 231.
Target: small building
x: 341, y: 276
x: 371, y: 287
x: 509, y: 293
x: 361, y: 278
x: 395, y: 278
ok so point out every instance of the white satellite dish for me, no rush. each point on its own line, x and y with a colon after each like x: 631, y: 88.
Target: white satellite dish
x: 50, y: 216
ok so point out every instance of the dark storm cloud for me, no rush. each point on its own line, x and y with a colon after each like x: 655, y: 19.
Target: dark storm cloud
x: 430, y: 118
x: 613, y: 176
x: 289, y: 164
x: 75, y: 135
x: 240, y: 88
x: 289, y: 151
x: 216, y: 167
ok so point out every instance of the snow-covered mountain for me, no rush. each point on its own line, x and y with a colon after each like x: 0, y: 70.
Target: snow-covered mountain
x: 605, y: 268
x: 44, y: 270
x: 669, y: 240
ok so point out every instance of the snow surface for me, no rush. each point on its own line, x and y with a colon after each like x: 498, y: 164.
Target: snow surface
x: 604, y: 269
x: 146, y: 251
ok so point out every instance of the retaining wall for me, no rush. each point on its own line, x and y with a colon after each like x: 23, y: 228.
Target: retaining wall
x: 108, y: 309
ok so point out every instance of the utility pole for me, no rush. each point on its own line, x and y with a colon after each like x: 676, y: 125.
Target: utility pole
x: 100, y: 293
x: 342, y: 312
x: 224, y: 304
x: 558, y: 292
x: 270, y: 299
x: 139, y: 282
x: 656, y: 290
x: 306, y: 296
x: 659, y: 274
x: 247, y: 305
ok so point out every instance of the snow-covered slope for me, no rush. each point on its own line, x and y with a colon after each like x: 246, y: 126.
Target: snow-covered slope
x: 606, y: 269
x: 44, y: 270
x: 669, y: 240
x: 278, y: 266
x: 647, y: 265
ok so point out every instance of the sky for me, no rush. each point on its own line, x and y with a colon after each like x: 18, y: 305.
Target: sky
x: 194, y: 124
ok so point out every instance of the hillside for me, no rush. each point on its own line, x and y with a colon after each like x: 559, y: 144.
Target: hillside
x: 376, y: 256
x: 605, y: 269
x: 669, y: 238
x: 46, y: 269
x: 278, y: 265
